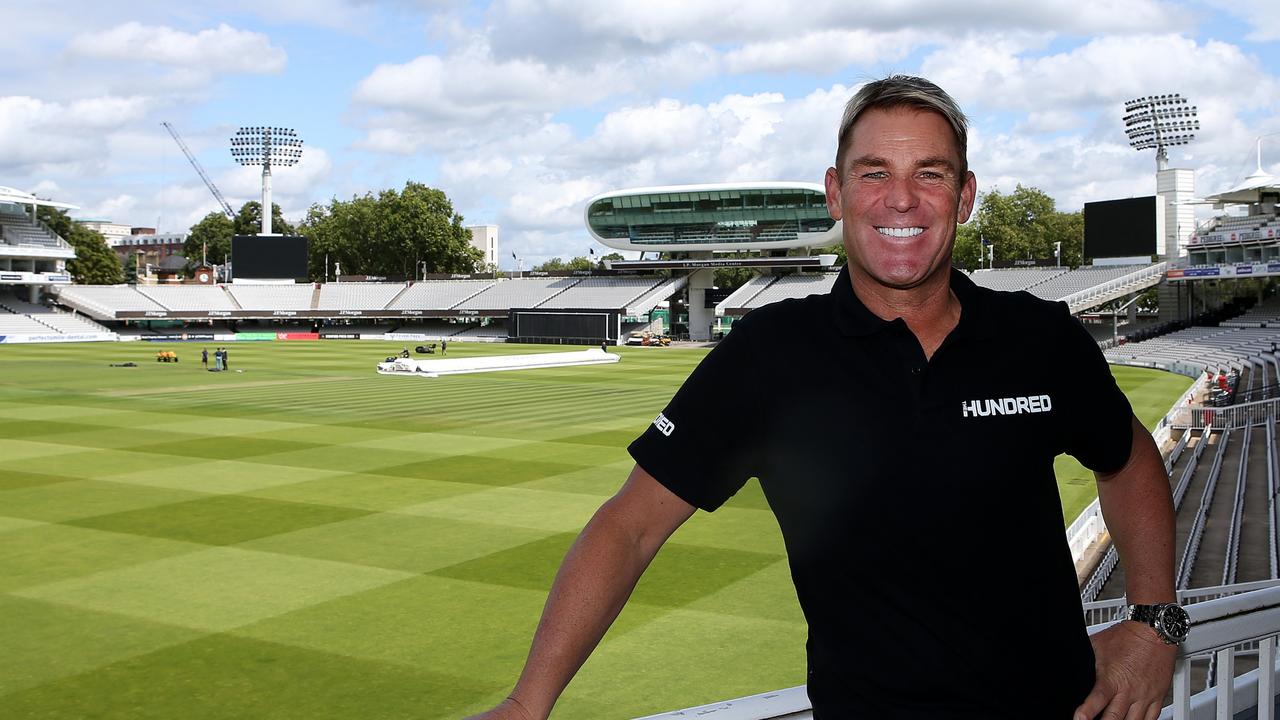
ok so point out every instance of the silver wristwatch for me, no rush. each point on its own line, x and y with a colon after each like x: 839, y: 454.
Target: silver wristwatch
x: 1169, y: 620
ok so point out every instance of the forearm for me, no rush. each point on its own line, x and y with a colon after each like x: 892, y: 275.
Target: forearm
x: 590, y: 589
x: 1138, y: 509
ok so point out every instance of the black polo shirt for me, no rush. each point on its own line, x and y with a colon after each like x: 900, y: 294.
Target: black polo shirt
x: 916, y: 497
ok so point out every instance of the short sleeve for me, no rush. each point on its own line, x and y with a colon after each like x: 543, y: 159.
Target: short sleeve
x: 1099, y: 422
x: 703, y: 445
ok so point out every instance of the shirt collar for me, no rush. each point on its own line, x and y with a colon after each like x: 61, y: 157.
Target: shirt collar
x: 854, y: 319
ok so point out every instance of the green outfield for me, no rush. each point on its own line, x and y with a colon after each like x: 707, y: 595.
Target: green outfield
x: 303, y: 538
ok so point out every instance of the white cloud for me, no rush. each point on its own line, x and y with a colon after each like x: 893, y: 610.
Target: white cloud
x: 1259, y: 14
x: 36, y: 133
x: 220, y: 50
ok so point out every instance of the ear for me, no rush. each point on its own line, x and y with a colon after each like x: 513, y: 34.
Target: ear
x: 968, y: 193
x: 832, y: 181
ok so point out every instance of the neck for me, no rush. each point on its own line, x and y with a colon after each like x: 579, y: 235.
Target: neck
x: 930, y: 309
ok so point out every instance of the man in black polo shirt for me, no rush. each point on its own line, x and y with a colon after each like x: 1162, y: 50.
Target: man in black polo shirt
x: 879, y: 489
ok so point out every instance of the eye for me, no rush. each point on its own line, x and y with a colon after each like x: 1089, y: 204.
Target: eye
x: 931, y: 176
x: 875, y: 175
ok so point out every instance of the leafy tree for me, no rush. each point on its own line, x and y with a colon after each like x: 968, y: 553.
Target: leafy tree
x: 249, y: 220
x: 610, y: 257
x: 393, y: 233
x: 210, y: 238
x: 1024, y: 225
x: 966, y: 253
x: 555, y: 263
x: 94, y: 263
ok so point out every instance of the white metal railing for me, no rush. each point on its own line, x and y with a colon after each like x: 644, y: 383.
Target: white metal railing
x: 1237, y: 515
x: 1218, y: 626
x: 1273, y: 520
x: 1184, y: 481
x: 1089, y: 297
x: 1231, y: 416
x: 1202, y: 513
x: 1105, y: 611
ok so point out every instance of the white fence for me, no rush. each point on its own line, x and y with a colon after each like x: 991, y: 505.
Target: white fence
x: 1222, y: 418
x: 1218, y: 627
x: 1098, y: 294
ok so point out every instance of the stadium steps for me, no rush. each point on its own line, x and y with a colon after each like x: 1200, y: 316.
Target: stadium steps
x: 1207, y: 563
x: 315, y: 296
x: 403, y: 290
x: 1253, y: 563
x: 562, y: 291
x: 465, y: 299
x: 231, y: 296
x: 1114, y: 587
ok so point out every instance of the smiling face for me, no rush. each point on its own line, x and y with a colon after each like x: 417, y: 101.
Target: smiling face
x: 900, y: 194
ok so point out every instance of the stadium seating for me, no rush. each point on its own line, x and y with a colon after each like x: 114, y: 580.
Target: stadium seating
x: 190, y: 297
x: 1014, y: 279
x: 1203, y: 347
x: 612, y: 293
x: 357, y: 296
x: 794, y: 286
x: 105, y: 300
x: 742, y: 297
x: 22, y: 318
x: 272, y: 297
x: 476, y: 331
x: 438, y: 294
x: 519, y: 293
x: 1081, y: 278
x: 1265, y: 314
x: 18, y: 230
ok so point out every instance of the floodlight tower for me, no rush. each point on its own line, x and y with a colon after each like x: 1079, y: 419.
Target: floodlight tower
x: 266, y: 146
x: 1159, y: 122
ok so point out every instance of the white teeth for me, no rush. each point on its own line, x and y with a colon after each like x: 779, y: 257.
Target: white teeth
x: 900, y: 232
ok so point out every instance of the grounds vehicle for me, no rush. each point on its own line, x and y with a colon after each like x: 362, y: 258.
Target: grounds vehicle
x: 166, y: 356
x: 425, y: 349
x: 648, y: 339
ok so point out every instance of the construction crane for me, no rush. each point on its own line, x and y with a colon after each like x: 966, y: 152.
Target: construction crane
x: 203, y: 175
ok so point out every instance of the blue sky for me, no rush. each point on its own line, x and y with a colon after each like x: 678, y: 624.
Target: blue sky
x: 520, y: 110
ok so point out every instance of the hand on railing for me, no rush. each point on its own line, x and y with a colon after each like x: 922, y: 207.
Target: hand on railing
x: 1134, y: 671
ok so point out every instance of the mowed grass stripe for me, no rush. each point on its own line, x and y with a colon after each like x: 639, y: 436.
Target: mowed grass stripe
x: 299, y: 563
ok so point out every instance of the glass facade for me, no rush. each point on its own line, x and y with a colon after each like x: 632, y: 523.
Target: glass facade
x: 729, y: 216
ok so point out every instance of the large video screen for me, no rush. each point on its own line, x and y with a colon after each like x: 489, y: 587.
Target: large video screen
x: 274, y: 257
x: 1120, y: 228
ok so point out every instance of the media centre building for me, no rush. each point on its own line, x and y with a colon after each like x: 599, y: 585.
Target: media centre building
x: 698, y: 221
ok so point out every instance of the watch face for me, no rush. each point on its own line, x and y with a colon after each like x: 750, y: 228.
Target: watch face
x: 1174, y: 621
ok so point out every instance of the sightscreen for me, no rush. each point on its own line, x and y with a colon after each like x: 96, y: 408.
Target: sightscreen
x: 274, y: 257
x: 574, y: 327
x: 1120, y: 228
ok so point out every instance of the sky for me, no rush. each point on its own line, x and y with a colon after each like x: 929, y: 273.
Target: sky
x: 521, y: 110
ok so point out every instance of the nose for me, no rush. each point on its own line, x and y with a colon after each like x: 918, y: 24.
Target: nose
x: 901, y: 194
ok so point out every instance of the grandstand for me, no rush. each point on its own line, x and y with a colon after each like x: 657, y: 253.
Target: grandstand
x: 1015, y: 279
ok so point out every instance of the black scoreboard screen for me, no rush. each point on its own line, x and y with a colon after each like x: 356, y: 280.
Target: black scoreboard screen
x: 1120, y: 228
x: 269, y: 257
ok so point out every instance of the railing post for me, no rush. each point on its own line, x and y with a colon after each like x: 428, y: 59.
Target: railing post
x: 1225, y: 680
x: 1267, y: 678
x: 1182, y: 689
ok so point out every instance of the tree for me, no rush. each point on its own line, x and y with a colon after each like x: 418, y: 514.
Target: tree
x: 609, y: 258
x: 94, y: 263
x: 1024, y: 225
x: 210, y: 238
x: 555, y: 263
x: 249, y: 220
x: 391, y: 234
